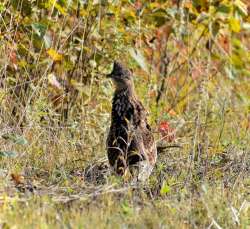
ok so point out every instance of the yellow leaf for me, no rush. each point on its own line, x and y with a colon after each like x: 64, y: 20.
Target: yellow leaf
x: 22, y: 63
x: 84, y: 13
x: 53, y: 3
x: 237, y: 61
x: 234, y: 25
x: 54, y: 55
x: 60, y: 9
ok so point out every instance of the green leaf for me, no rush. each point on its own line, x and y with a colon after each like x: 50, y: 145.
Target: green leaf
x: 39, y: 29
x: 160, y: 17
x: 8, y: 154
x: 2, y: 7
x: 236, y: 43
x: 230, y: 72
x: 20, y: 140
x: 24, y: 6
x: 224, y: 9
x: 127, y: 210
x: 246, y: 72
x: 165, y: 188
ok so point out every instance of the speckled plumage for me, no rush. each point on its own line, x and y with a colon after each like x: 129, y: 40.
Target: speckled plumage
x: 130, y: 142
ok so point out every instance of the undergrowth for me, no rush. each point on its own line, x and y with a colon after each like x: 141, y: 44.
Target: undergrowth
x: 190, y: 61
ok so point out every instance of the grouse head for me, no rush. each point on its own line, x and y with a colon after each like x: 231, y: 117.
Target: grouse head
x: 121, y: 76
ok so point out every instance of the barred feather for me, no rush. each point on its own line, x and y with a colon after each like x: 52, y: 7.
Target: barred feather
x: 130, y: 141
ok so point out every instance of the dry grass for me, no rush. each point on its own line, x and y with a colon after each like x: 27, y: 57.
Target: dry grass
x: 53, y: 166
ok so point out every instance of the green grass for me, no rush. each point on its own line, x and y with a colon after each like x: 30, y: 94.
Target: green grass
x: 184, y: 191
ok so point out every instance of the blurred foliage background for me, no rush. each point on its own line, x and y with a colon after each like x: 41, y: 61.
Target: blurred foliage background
x: 191, y: 66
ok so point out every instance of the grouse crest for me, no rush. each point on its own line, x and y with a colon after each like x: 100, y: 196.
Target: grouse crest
x: 130, y: 142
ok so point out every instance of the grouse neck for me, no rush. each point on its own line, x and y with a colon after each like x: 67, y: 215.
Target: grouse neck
x: 128, y: 90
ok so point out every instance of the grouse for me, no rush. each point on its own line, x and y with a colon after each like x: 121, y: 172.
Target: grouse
x: 130, y: 142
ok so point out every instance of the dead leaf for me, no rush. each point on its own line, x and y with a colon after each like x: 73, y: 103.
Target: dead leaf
x: 17, y: 178
x: 54, y: 82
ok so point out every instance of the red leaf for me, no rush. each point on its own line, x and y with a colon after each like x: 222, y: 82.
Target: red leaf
x: 138, y: 5
x: 13, y: 57
x: 18, y: 179
x: 164, y: 126
x: 167, y: 133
